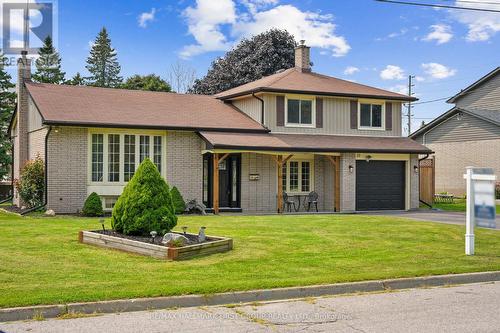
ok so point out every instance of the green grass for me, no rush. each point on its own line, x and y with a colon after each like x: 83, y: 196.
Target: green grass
x: 41, y: 261
x: 458, y: 205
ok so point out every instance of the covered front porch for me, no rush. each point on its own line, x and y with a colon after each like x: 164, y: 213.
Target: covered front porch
x: 255, y: 182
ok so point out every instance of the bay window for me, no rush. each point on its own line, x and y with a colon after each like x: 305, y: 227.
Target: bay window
x: 115, y: 157
x: 371, y: 115
x: 297, y: 176
x: 299, y: 112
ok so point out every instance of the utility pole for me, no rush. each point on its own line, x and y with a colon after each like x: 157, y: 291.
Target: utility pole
x: 410, y: 93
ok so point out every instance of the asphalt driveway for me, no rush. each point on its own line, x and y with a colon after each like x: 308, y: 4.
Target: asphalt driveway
x: 430, y: 215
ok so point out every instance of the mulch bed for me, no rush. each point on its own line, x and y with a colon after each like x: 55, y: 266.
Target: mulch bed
x: 13, y: 209
x: 192, y: 239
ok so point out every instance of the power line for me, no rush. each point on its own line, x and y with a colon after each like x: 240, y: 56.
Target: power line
x: 432, y: 101
x: 475, y: 2
x: 439, y: 6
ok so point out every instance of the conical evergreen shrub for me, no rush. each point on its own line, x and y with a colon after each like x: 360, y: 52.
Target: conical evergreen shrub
x: 93, y: 205
x: 179, y: 204
x: 145, y: 204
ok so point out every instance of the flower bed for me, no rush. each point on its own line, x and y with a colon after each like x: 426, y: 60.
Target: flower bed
x: 153, y: 247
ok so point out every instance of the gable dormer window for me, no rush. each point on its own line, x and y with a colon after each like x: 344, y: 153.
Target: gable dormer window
x: 299, y: 112
x: 371, y: 115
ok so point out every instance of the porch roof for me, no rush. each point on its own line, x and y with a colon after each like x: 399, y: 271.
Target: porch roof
x: 311, y: 143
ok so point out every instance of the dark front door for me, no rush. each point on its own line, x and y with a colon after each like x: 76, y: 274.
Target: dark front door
x: 380, y: 185
x: 229, y: 181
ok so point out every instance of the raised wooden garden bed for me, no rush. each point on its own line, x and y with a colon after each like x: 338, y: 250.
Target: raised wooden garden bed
x: 143, y: 245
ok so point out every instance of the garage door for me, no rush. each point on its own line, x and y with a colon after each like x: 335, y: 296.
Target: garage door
x: 380, y: 185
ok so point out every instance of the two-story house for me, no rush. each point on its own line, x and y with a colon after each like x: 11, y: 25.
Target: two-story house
x: 466, y: 135
x: 290, y: 133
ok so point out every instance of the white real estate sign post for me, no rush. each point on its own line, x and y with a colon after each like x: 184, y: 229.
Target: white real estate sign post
x: 480, y: 203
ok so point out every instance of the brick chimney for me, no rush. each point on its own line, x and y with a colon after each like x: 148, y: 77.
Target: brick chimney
x: 21, y: 139
x: 302, y: 57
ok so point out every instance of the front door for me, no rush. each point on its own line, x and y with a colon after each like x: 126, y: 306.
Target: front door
x: 229, y: 181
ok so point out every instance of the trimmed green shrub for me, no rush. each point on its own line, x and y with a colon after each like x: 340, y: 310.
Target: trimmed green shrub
x: 93, y: 205
x: 31, y: 183
x: 145, y: 204
x: 179, y: 204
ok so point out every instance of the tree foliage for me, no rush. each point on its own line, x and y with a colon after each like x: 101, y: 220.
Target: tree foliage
x: 179, y: 203
x: 145, y: 205
x: 102, y: 63
x: 93, y: 205
x: 149, y: 82
x: 250, y: 60
x: 48, y: 64
x: 31, y: 183
x: 7, y: 106
x: 76, y: 80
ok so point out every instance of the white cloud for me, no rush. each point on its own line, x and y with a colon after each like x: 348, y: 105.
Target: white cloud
x: 400, y: 89
x: 146, y: 17
x: 392, y: 72
x: 207, y: 18
x: 396, y: 34
x: 419, y: 78
x: 481, y: 25
x: 438, y: 71
x: 204, y: 23
x: 441, y: 33
x: 351, y: 70
x: 316, y: 29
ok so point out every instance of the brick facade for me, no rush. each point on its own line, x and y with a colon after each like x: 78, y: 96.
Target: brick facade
x: 414, y: 183
x: 347, y: 183
x: 67, y: 169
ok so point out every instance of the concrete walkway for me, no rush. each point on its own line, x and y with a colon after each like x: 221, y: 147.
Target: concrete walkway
x: 467, y: 308
x: 430, y: 215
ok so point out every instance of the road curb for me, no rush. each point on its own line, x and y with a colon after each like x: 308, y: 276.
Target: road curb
x: 141, y: 304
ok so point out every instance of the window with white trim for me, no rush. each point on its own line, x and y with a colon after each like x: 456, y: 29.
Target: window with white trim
x: 299, y: 112
x: 114, y: 158
x: 97, y: 157
x: 371, y: 115
x: 297, y: 176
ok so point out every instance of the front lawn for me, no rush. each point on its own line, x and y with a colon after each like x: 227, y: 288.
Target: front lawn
x: 458, y: 205
x: 41, y: 261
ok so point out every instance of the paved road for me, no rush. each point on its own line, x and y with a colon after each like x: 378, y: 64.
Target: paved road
x: 431, y: 215
x: 468, y: 308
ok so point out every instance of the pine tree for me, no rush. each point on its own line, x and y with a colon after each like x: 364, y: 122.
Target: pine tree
x: 48, y: 65
x: 76, y: 80
x: 7, y: 105
x: 102, y: 63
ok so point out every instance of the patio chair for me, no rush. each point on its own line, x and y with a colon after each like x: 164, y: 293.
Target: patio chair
x: 288, y: 203
x: 312, y: 199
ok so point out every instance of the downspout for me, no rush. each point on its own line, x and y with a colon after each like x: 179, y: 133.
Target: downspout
x: 11, y: 197
x: 419, y: 160
x: 46, y: 196
x: 261, y: 108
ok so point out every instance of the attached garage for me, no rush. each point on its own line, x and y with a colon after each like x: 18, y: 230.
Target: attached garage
x: 380, y: 185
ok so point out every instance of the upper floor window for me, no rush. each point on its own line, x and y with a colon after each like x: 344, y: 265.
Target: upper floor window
x: 299, y: 112
x: 371, y: 115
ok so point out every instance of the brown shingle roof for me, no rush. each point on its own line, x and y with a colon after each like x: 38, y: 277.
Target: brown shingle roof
x: 292, y: 80
x: 312, y: 143
x: 91, y: 106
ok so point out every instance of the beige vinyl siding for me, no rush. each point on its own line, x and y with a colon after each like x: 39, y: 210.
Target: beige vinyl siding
x: 34, y: 118
x: 336, y: 119
x: 250, y: 106
x: 468, y: 128
x: 484, y: 97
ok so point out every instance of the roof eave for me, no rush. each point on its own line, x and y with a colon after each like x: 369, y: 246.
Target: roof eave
x: 474, y: 85
x: 320, y: 93
x: 157, y: 127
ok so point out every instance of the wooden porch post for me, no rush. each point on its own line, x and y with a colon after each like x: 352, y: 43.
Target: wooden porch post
x: 279, y: 163
x: 215, y: 183
x: 336, y: 164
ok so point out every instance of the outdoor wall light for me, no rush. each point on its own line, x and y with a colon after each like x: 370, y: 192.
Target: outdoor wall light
x: 415, y: 168
x: 351, y: 169
x: 368, y: 158
x: 56, y: 129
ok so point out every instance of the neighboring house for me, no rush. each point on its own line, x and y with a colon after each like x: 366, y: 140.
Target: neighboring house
x: 292, y: 132
x: 466, y: 135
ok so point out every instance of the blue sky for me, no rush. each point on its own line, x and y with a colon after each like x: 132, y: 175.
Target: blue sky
x: 362, y: 40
